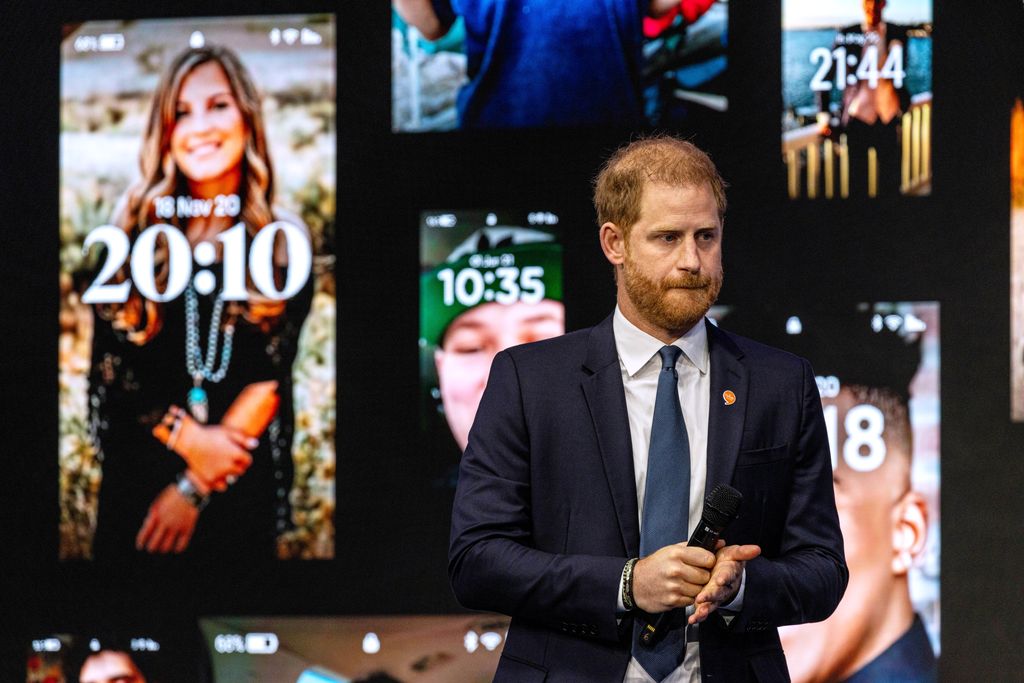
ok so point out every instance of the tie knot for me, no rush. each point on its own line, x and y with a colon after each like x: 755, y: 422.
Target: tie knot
x: 669, y: 356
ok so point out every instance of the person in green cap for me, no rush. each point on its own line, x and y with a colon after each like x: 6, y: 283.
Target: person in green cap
x: 500, y: 287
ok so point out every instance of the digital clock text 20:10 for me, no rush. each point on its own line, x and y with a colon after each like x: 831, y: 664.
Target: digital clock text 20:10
x: 179, y: 263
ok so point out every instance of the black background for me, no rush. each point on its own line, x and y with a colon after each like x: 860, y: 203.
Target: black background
x: 952, y: 247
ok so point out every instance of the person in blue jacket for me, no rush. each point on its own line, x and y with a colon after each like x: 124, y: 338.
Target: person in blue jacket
x: 535, y: 63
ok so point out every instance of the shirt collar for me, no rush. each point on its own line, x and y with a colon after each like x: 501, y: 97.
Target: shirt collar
x: 636, y: 348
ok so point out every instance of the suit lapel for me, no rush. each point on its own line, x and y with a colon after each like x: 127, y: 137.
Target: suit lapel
x: 606, y: 399
x: 725, y: 419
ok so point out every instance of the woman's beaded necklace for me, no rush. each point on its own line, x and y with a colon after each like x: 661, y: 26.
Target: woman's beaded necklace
x: 198, y: 368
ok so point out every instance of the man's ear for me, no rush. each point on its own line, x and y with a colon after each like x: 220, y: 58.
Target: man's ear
x: 909, y: 531
x: 613, y: 243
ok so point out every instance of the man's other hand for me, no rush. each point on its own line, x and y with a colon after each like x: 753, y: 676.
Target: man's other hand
x: 721, y: 589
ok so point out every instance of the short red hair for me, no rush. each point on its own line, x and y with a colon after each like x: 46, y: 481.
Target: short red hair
x: 619, y: 187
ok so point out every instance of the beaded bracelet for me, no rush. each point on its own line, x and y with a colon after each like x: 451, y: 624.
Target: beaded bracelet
x: 627, y: 585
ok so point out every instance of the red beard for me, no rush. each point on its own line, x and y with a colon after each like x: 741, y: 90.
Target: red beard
x: 675, y: 304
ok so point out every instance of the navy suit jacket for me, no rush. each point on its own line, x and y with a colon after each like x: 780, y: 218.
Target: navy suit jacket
x: 545, y: 512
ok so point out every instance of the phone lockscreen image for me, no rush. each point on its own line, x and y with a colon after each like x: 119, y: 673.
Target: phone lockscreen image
x: 489, y: 280
x: 857, y: 101
x: 877, y: 369
x: 197, y: 379
x: 497, y: 64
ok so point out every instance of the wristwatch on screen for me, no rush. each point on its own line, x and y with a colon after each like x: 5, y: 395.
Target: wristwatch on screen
x: 187, y: 489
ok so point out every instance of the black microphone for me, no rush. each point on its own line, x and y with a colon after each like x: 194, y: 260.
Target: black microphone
x: 721, y: 506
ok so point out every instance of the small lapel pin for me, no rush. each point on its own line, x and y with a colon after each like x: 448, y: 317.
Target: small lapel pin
x: 728, y: 397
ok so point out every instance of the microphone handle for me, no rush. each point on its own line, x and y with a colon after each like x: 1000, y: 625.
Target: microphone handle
x: 704, y: 536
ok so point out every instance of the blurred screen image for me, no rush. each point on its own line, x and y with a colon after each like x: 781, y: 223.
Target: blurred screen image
x: 197, y: 310
x: 857, y: 98
x: 123, y: 657
x: 496, y: 64
x: 365, y: 649
x: 489, y: 280
x: 877, y: 369
x: 1017, y: 261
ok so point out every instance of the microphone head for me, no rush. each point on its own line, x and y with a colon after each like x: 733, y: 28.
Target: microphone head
x: 722, y: 505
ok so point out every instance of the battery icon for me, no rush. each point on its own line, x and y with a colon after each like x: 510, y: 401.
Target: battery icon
x: 261, y: 643
x: 111, y: 42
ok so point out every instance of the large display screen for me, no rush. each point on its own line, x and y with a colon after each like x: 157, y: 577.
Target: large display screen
x: 364, y: 649
x: 197, y: 298
x: 489, y: 280
x: 1017, y: 261
x: 857, y: 97
x: 877, y: 369
x: 460, y: 64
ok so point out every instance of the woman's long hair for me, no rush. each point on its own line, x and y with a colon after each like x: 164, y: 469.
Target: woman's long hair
x: 142, y: 318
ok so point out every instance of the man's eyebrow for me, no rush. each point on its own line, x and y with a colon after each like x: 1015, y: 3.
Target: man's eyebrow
x: 675, y: 230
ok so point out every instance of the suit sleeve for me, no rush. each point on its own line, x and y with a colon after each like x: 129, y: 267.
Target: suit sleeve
x: 807, y: 579
x: 493, y: 562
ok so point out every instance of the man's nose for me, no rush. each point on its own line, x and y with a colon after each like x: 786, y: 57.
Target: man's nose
x: 688, y: 256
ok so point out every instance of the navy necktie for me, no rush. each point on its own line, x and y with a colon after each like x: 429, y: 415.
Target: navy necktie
x: 666, y: 503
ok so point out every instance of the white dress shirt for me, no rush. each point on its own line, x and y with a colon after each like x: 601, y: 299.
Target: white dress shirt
x: 640, y: 365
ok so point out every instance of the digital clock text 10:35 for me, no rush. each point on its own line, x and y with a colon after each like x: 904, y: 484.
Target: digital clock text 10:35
x: 504, y: 285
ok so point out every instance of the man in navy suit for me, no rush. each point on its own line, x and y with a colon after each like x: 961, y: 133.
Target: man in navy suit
x: 549, y: 520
